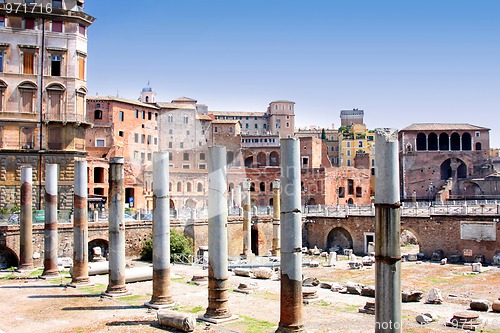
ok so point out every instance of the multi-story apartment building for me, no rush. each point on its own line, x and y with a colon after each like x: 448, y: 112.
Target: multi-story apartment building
x: 43, y: 56
x: 128, y: 129
x: 445, y: 161
x: 329, y: 135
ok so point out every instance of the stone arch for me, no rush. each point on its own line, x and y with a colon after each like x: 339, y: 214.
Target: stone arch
x: 249, y: 162
x: 444, y: 141
x: 274, y: 159
x: 101, y: 243
x: 455, y: 141
x: 261, y: 159
x: 432, y: 141
x: 466, y: 141
x: 421, y: 141
x: 172, y: 204
x: 409, y: 241
x: 8, y: 258
x: 190, y: 203
x: 478, y: 146
x: 339, y: 239
x: 262, y: 187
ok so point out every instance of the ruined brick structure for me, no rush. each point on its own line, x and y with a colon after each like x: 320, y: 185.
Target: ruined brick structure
x: 446, y: 161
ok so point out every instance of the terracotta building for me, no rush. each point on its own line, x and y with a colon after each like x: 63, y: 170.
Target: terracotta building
x: 43, y: 56
x: 445, y: 161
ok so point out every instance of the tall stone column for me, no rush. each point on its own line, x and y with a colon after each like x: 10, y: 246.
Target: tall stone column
x: 247, y: 221
x: 275, y: 251
x: 161, y: 233
x: 26, y: 219
x: 51, y: 243
x: 80, y: 226
x: 218, y: 295
x: 291, y: 239
x: 116, y: 199
x: 387, y: 233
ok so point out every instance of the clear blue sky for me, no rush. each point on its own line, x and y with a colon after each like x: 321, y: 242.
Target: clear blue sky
x: 402, y: 62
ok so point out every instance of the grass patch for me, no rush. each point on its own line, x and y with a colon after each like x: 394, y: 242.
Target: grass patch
x: 196, y: 309
x: 36, y: 273
x: 256, y: 326
x: 131, y: 298
x: 10, y: 277
x: 351, y: 308
x: 321, y: 303
x: 94, y: 290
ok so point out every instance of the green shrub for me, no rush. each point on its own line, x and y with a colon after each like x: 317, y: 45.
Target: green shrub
x: 179, y: 244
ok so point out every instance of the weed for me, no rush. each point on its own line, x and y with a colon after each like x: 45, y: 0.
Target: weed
x: 256, y: 326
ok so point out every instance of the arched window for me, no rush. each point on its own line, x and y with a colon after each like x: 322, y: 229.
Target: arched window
x: 27, y: 90
x: 249, y: 162
x: 444, y: 141
x: 179, y: 187
x: 466, y: 141
x: 432, y: 142
x: 262, y: 186
x: 188, y: 187
x: 478, y: 145
x: 200, y: 187
x: 252, y: 187
x: 455, y: 141
x: 421, y: 141
x: 274, y: 159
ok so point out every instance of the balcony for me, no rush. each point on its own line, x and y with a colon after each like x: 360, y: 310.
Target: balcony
x: 66, y: 118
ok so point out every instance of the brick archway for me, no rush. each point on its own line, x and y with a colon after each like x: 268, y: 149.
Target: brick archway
x: 339, y: 239
x: 8, y: 258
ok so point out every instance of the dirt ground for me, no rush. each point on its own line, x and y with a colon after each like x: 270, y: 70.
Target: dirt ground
x: 34, y: 305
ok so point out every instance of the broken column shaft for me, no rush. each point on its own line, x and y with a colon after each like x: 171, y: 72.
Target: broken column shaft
x: 387, y: 233
x: 80, y: 226
x: 275, y: 251
x: 50, y: 232
x: 26, y: 219
x: 116, y: 227
x: 218, y: 285
x: 161, y: 231
x: 247, y: 220
x: 291, y: 239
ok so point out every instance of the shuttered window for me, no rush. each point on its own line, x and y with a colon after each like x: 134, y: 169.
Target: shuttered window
x: 81, y: 68
x: 28, y: 63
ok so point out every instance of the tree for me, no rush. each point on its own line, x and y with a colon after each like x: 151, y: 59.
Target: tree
x: 323, y: 134
x: 179, y: 244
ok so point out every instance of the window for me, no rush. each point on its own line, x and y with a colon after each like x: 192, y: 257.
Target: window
x: 29, y: 23
x: 97, y: 114
x: 56, y: 3
x: 136, y: 155
x: 278, y: 123
x: 256, y: 126
x: 170, y: 131
x: 170, y: 118
x: 149, y: 140
x: 170, y: 145
x: 187, y: 133
x: 149, y: 115
x: 202, y: 166
x: 170, y: 156
x: 287, y: 124
x: 341, y: 192
x: 143, y: 114
x: 136, y: 138
x: 100, y: 142
x: 82, y: 30
x: 1, y: 61
x: 348, y: 153
x: 156, y: 141
x: 27, y: 91
x: 149, y: 156
x: 348, y: 144
x: 188, y: 187
x: 477, y: 134
x: 181, y: 145
x: 360, y: 144
x: 2, y: 20
x: 81, y: 67
x: 57, y: 26
x: 28, y: 63
x: 186, y: 119
x: 246, y: 125
x: 202, y: 156
x: 55, y: 65
x: 185, y: 166
x: 186, y: 157
x: 200, y: 187
x: 121, y: 116
x: 359, y: 192
x: 98, y: 105
x: 143, y: 138
x: 143, y: 155
x: 3, y: 86
x: 120, y: 133
x: 136, y: 113
x: 350, y: 187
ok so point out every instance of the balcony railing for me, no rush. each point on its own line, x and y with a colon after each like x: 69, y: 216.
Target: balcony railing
x: 66, y: 118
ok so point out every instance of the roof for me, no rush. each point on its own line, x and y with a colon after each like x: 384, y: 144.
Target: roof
x: 121, y: 100
x: 167, y: 105
x: 282, y: 101
x: 225, y: 121
x: 237, y: 113
x: 444, y: 127
x: 203, y: 117
x: 184, y: 99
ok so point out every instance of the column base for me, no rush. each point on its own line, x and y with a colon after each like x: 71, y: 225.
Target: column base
x: 116, y: 294
x: 159, y: 306
x: 291, y: 329
x: 214, y: 320
x: 50, y: 277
